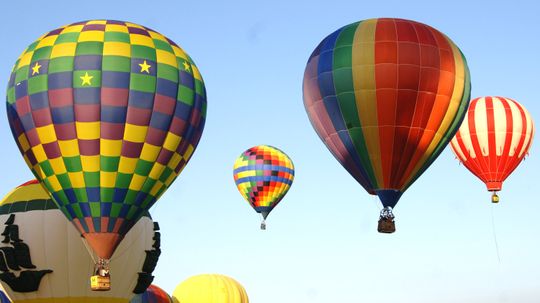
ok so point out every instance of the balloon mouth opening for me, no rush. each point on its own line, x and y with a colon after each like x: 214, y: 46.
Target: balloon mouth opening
x: 103, y: 244
x: 263, y: 210
x: 494, y: 185
x: 389, y: 197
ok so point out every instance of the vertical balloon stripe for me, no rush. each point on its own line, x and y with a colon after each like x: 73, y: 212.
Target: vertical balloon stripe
x: 507, y: 121
x: 409, y: 77
x: 481, y: 126
x: 321, y: 121
x: 524, y: 131
x: 466, y: 141
x: 492, y: 148
x: 517, y: 127
x: 524, y: 142
x: 445, y: 106
x: 327, y: 89
x: 463, y: 106
x: 326, y: 82
x: 501, y: 126
x: 456, y: 146
x: 478, y: 131
x: 430, y: 61
x: 409, y: 72
x: 345, y: 90
x: 342, y: 76
x: 528, y: 131
x: 458, y: 115
x: 363, y: 49
x: 386, y: 81
x: 463, y: 143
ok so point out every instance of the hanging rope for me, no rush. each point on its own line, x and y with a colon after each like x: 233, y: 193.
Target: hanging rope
x: 376, y: 203
x: 132, y: 241
x: 88, y: 249
x: 495, y: 234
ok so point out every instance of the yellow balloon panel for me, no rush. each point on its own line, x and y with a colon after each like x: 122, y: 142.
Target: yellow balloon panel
x: 210, y: 288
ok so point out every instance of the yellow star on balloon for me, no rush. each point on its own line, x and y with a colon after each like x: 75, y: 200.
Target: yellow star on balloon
x: 86, y: 79
x: 35, y: 68
x: 186, y: 66
x: 145, y: 67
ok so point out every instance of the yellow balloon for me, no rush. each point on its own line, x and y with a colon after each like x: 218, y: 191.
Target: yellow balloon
x: 210, y: 288
x: 29, y: 217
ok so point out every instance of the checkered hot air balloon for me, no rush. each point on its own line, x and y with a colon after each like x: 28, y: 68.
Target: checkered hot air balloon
x: 263, y: 175
x: 106, y: 114
x: 493, y: 140
x: 386, y: 96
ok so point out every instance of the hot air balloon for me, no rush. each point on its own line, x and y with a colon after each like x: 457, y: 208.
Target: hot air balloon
x: 45, y: 261
x: 493, y: 140
x: 263, y: 175
x: 106, y: 114
x: 210, y: 288
x: 386, y: 96
x: 153, y: 294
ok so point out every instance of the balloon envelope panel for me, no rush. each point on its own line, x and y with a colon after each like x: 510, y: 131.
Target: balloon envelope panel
x: 106, y: 114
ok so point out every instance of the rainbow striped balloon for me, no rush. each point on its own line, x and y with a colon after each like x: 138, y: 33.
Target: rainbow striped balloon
x: 386, y: 96
x: 263, y: 175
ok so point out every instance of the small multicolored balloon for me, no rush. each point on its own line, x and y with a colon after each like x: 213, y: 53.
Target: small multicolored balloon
x: 153, y: 294
x: 263, y: 175
x: 493, y: 140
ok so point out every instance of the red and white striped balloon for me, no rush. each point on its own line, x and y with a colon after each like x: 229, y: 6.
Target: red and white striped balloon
x: 495, y: 136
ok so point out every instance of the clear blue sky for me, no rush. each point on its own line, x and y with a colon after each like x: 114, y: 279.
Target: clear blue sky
x: 321, y: 244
